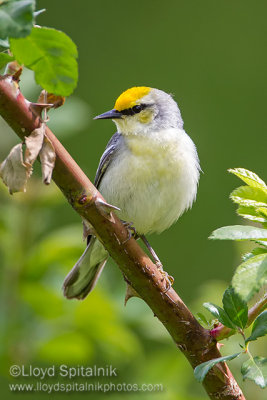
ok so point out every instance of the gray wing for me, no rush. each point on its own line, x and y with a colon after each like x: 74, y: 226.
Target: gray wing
x: 107, y: 157
x: 85, y: 273
x: 105, y: 160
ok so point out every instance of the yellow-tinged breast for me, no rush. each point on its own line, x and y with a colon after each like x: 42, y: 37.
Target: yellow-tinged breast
x: 152, y: 159
x: 129, y: 98
x: 141, y: 146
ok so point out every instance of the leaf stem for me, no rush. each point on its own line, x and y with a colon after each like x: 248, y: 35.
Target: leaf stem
x: 257, y: 309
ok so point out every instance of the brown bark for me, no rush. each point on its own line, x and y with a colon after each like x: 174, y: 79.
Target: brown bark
x: 192, y: 339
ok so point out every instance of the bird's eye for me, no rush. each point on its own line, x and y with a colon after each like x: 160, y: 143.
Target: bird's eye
x: 137, y: 109
x: 134, y: 110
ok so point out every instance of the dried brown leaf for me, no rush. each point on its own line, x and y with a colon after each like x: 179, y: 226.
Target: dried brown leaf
x: 53, y: 100
x: 47, y: 158
x: 14, y: 172
x: 34, y: 144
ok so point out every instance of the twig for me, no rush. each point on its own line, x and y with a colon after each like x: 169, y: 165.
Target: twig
x: 192, y: 339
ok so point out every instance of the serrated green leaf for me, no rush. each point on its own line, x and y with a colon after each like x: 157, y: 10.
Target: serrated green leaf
x: 247, y: 202
x: 220, y: 314
x: 235, y: 307
x: 250, y: 276
x: 249, y: 196
x: 250, y: 178
x: 16, y: 18
x: 5, y: 59
x: 202, y: 369
x: 256, y: 370
x: 251, y: 213
x: 52, y: 56
x: 239, y: 232
x: 259, y: 327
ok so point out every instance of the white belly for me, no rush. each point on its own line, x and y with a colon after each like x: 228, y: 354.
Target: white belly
x: 153, y: 181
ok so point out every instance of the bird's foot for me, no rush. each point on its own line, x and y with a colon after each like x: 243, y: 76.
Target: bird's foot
x: 165, y: 276
x: 131, y: 231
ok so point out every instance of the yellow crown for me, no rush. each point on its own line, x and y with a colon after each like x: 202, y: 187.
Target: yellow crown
x: 128, y: 98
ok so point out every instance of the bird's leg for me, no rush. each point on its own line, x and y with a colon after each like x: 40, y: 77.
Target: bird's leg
x: 152, y: 252
x: 131, y: 231
x: 169, y: 279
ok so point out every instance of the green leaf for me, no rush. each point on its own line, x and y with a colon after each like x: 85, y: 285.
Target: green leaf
x: 255, y: 252
x: 256, y: 370
x: 239, y: 232
x: 249, y: 196
x: 263, y: 211
x: 16, y: 18
x: 250, y: 276
x: 259, y: 327
x: 220, y: 314
x: 52, y: 56
x: 235, y: 307
x: 259, y: 250
x: 247, y: 256
x: 5, y: 59
x: 251, y: 213
x: 250, y: 178
x: 201, y: 317
x: 202, y: 369
x: 261, y: 243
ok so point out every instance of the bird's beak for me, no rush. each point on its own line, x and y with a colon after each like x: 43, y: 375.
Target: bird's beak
x: 112, y: 114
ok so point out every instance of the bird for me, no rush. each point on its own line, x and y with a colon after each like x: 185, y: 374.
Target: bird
x: 149, y: 170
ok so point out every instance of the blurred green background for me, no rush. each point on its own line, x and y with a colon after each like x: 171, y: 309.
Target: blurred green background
x: 212, y: 56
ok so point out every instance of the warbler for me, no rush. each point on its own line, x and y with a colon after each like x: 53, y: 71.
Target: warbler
x: 149, y: 170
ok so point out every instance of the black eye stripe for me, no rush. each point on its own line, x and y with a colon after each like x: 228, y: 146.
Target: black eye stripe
x: 137, y: 109
x: 134, y: 110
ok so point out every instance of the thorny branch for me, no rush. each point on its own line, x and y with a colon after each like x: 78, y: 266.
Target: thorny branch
x: 192, y: 339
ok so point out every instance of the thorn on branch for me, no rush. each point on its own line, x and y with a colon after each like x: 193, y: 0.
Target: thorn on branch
x: 16, y: 75
x: 130, y: 292
x: 106, y: 209
x: 37, y: 108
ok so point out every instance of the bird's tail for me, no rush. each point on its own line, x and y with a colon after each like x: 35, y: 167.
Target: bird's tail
x: 81, y: 280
